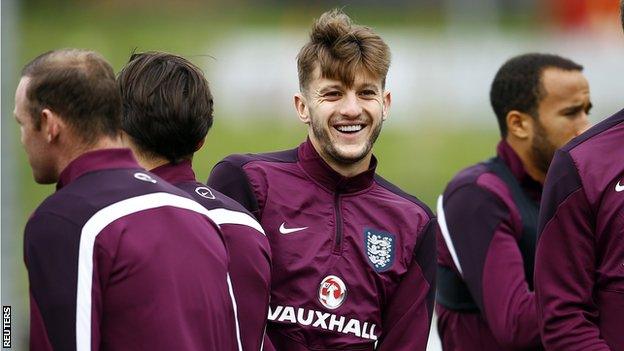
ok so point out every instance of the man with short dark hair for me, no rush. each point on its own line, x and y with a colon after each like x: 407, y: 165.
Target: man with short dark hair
x: 166, y: 116
x: 117, y: 258
x: 353, y: 255
x: 579, y: 264
x: 488, y: 212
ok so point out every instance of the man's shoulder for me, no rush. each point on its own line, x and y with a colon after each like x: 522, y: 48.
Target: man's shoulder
x: 597, y: 136
x: 403, y: 195
x: 211, y: 198
x: 94, y: 191
x: 592, y: 160
x: 477, y: 175
x: 240, y: 160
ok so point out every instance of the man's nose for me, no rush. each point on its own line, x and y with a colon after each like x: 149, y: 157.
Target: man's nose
x: 351, y: 106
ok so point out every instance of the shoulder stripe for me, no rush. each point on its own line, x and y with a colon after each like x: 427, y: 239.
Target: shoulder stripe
x: 224, y: 216
x: 90, y: 231
x: 446, y: 235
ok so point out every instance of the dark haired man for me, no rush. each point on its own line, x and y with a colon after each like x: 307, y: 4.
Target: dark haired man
x: 488, y: 212
x: 117, y: 258
x: 579, y: 264
x: 353, y: 255
x: 166, y: 116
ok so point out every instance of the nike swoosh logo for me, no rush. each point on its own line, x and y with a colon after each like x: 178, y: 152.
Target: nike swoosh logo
x: 284, y: 230
x: 619, y: 187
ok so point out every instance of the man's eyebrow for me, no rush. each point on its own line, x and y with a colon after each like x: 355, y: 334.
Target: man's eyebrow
x: 577, y: 107
x: 329, y: 87
x: 369, y: 86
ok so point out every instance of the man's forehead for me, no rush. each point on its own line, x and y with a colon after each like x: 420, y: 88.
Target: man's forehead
x: 20, y: 91
x: 563, y: 84
x: 361, y: 78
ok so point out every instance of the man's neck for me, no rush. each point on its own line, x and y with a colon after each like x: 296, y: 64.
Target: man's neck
x: 524, y: 153
x: 149, y: 163
x: 347, y: 170
x: 76, y: 151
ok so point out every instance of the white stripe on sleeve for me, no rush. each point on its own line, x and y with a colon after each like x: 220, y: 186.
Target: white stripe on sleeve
x: 90, y: 231
x: 446, y: 235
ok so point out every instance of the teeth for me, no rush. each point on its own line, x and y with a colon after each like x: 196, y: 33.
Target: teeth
x: 353, y: 128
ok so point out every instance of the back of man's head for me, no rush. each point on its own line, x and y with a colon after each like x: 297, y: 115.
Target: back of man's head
x: 167, y: 105
x: 341, y: 49
x: 77, y: 85
x: 518, y: 84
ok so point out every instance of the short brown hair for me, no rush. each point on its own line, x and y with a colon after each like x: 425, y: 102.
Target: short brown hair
x: 78, y: 85
x: 341, y: 49
x: 167, y: 104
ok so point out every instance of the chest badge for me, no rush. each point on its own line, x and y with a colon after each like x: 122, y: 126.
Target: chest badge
x: 380, y: 249
x: 332, y: 292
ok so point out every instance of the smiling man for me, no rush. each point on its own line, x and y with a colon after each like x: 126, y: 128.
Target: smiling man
x: 353, y: 255
x: 488, y: 212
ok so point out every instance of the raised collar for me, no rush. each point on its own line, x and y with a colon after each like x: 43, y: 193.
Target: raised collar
x: 321, y: 172
x: 176, y: 173
x: 513, y: 161
x: 94, y: 161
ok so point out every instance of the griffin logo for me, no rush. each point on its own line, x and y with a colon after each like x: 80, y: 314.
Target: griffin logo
x: 332, y: 292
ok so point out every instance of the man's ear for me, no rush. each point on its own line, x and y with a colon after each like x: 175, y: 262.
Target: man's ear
x: 301, y: 105
x: 51, y: 124
x: 385, y: 107
x: 519, y: 124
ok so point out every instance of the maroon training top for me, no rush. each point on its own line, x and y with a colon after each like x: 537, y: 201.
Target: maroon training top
x: 119, y: 259
x: 483, y: 227
x: 353, y: 258
x: 579, y: 271
x: 248, y: 249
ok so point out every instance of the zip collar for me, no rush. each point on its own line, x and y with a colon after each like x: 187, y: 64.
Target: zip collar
x: 176, y: 173
x: 314, y: 165
x: 95, y: 161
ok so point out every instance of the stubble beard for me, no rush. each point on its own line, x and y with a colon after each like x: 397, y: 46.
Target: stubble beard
x: 542, y: 149
x: 329, y: 149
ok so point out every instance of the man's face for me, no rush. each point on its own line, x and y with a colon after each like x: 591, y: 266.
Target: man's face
x: 562, y: 113
x: 33, y: 140
x: 344, y: 122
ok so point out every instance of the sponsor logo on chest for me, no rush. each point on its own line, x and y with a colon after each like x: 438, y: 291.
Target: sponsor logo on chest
x: 332, y: 292
x: 323, y: 320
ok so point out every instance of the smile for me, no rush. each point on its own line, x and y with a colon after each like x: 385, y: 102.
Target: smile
x: 350, y: 128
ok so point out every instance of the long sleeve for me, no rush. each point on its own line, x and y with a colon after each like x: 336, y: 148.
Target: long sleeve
x: 565, y: 263
x: 407, y: 319
x: 485, y: 237
x: 51, y: 255
x: 250, y: 269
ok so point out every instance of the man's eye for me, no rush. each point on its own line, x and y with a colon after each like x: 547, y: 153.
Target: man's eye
x: 332, y: 94
x: 368, y: 93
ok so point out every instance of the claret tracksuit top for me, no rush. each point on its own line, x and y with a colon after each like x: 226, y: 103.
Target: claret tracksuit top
x: 353, y: 258
x: 119, y: 259
x: 579, y: 268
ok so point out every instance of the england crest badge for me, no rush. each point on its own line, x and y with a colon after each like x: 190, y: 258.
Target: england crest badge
x: 380, y: 249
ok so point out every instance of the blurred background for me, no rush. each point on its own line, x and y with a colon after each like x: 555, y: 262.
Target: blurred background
x: 445, y: 55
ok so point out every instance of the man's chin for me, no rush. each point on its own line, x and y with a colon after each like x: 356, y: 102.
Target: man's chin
x: 349, y: 156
